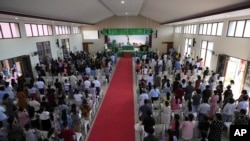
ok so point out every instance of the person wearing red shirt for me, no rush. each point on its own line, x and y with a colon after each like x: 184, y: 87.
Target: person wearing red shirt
x: 180, y: 92
x: 67, y: 134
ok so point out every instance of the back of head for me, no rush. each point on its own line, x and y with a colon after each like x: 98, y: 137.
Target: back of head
x: 149, y: 112
x: 190, y: 117
x: 243, y: 111
x: 151, y: 130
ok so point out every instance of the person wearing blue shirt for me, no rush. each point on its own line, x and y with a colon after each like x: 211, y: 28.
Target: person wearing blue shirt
x: 154, y: 93
x: 177, y: 65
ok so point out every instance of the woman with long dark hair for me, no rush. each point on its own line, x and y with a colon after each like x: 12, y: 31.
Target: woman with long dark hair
x: 175, y: 125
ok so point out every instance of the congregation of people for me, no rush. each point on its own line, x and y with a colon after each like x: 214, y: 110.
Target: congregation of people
x: 61, y: 101
x: 186, y: 98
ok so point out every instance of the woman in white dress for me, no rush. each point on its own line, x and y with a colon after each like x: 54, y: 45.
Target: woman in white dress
x: 166, y: 113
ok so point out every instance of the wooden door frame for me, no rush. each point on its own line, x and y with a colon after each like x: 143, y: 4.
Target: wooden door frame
x: 87, y: 45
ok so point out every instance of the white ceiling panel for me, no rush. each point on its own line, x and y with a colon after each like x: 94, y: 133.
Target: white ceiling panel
x: 85, y: 11
x: 120, y: 7
x: 94, y: 11
x: 170, y: 10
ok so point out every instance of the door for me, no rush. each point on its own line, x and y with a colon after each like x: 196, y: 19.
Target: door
x: 247, y: 78
x: 236, y: 70
x: 26, y: 66
x: 65, y: 47
x: 85, y: 46
x: 222, y: 64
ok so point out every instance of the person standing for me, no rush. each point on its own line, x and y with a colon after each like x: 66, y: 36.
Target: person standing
x: 143, y: 96
x: 154, y: 93
x: 67, y: 133
x: 216, y: 128
x: 228, y: 111
x: 188, y: 91
x: 214, y: 104
x: 196, y: 100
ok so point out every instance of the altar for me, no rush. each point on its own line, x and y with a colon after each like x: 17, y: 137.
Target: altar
x: 128, y: 47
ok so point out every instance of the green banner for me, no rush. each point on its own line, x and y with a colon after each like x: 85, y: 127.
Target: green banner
x: 127, y: 31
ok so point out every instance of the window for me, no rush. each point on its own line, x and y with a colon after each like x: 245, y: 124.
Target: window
x: 40, y: 30
x: 45, y: 29
x: 231, y: 28
x: 204, y: 29
x: 247, y: 29
x: 201, y: 28
x: 76, y: 30
x: 34, y: 29
x: 37, y: 30
x: 188, y: 45
x: 239, y: 28
x: 207, y: 52
x: 190, y: 29
x: 44, y: 51
x: 211, y: 29
x: 90, y: 34
x: 15, y: 30
x: 62, y: 30
x: 28, y: 30
x: 220, y: 28
x: 1, y: 33
x: 9, y: 30
x: 214, y: 29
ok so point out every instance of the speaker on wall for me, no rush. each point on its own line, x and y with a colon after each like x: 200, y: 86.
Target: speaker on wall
x: 194, y: 42
x: 156, y: 32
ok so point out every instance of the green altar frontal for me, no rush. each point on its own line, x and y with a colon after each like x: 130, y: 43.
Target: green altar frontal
x: 127, y: 47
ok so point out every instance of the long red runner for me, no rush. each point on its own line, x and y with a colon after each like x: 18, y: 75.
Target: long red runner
x: 115, y: 120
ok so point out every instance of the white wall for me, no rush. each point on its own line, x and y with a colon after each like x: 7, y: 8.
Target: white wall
x: 165, y: 33
x: 236, y: 47
x: 10, y: 48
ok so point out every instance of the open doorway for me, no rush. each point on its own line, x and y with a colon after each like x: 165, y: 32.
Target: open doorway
x: 236, y: 69
x: 66, y: 47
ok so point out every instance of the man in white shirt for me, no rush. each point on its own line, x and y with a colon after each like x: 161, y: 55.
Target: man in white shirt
x: 73, y: 81
x: 228, y: 111
x: 40, y: 85
x: 150, y: 79
x: 97, y: 85
x: 243, y: 104
x: 78, y: 98
x: 66, y: 86
x: 142, y: 97
x: 203, y: 85
x: 88, y: 70
x: 203, y: 110
x: 87, y: 84
x: 35, y: 104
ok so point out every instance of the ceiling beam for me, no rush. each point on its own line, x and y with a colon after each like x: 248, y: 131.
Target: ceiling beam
x: 241, y: 6
x: 107, y: 7
x: 40, y: 17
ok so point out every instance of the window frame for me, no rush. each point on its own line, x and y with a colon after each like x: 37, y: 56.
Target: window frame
x: 244, y: 28
x: 61, y: 28
x: 11, y: 32
x: 32, y: 33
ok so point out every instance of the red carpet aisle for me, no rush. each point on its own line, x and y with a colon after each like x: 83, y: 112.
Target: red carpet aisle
x: 115, y: 120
